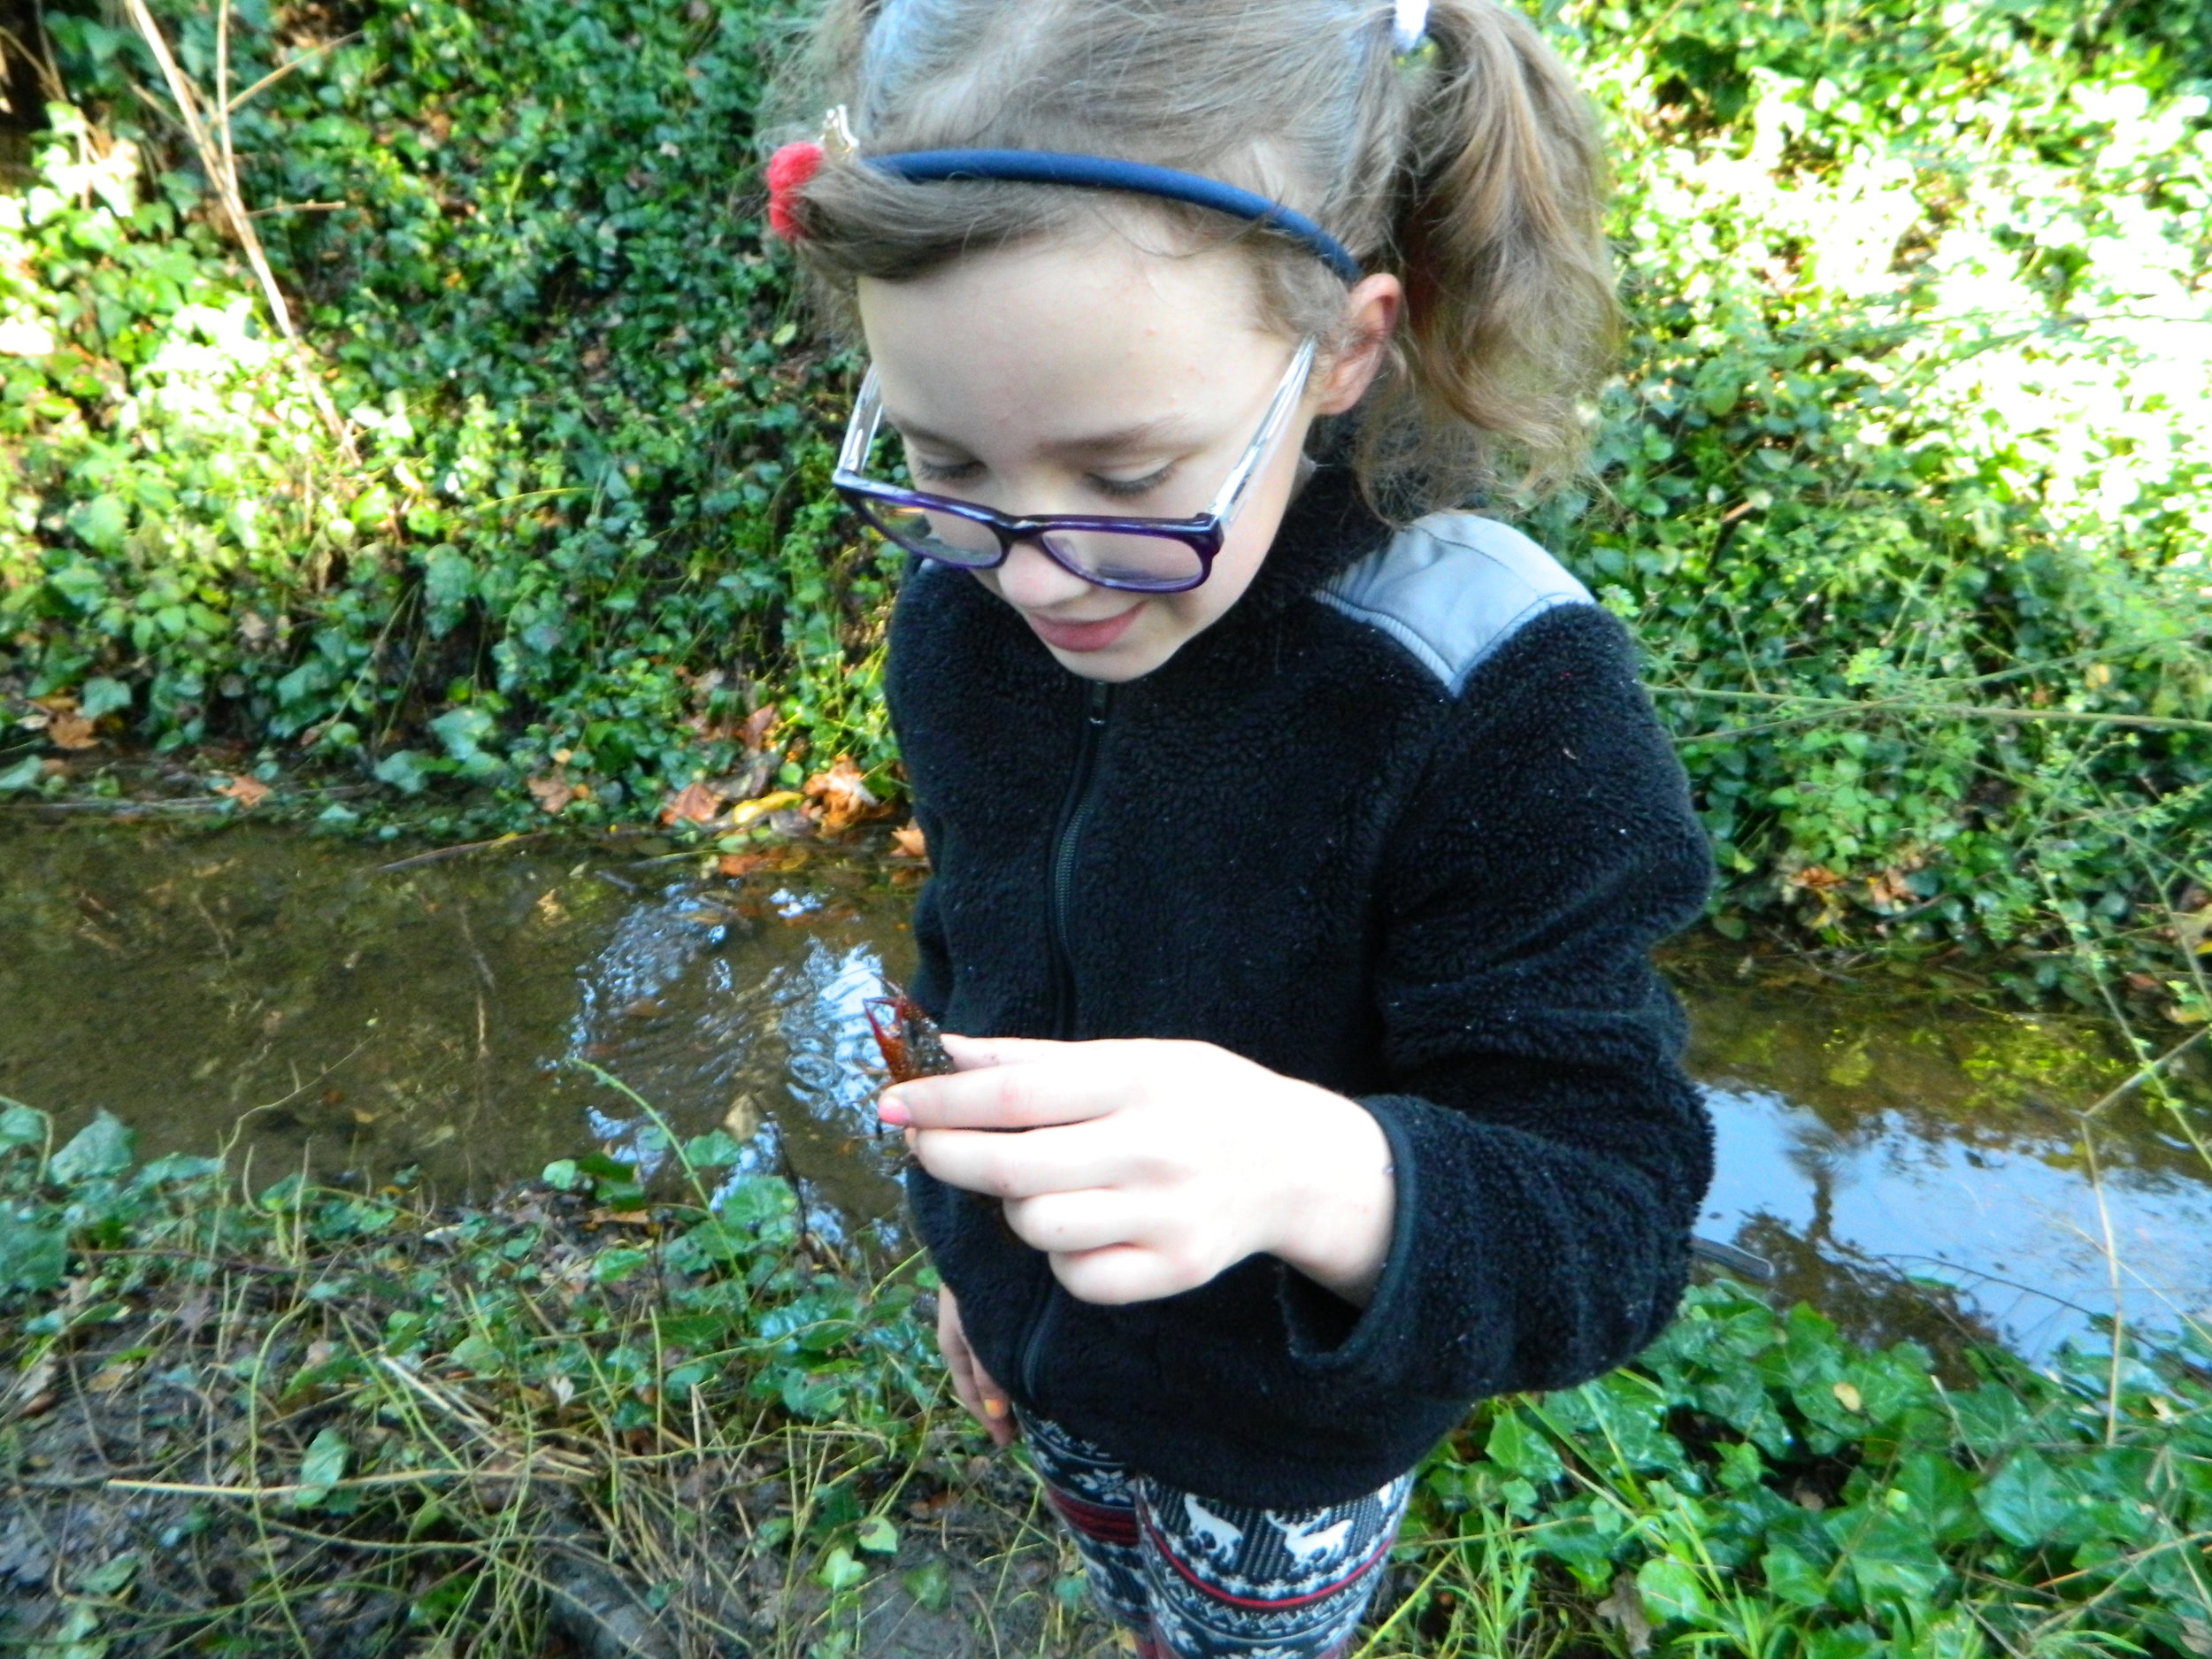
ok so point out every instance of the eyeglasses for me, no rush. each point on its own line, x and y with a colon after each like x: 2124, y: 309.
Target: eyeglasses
x: 1144, y: 555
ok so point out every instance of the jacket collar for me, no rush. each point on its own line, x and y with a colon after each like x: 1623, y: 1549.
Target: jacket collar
x: 1327, y: 526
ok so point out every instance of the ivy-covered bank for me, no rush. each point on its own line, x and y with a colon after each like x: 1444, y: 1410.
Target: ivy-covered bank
x: 1906, y: 486
x: 256, y: 1418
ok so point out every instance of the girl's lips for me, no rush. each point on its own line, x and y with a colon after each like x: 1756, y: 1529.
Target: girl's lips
x: 1083, y: 637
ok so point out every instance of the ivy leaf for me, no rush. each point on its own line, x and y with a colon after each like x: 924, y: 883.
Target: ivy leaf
x: 838, y: 1571
x: 1519, y: 1449
x: 1793, y: 1579
x: 1892, y: 1559
x: 1670, y: 1590
x: 102, y: 1147
x: 32, y: 1258
x: 321, y: 1468
x: 878, y: 1536
x: 2024, y: 1502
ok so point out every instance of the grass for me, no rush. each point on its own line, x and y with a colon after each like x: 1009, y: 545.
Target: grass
x: 650, y: 1411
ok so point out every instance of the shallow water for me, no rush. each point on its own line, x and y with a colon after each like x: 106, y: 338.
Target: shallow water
x: 1910, y: 1169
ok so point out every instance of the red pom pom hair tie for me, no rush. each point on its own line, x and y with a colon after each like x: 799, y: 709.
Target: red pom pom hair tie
x: 788, y: 171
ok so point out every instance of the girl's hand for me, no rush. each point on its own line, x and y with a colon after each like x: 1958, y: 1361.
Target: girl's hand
x: 1149, y: 1167
x: 977, y: 1389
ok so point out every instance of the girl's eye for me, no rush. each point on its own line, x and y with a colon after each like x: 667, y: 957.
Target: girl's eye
x: 944, y: 471
x: 1127, y: 488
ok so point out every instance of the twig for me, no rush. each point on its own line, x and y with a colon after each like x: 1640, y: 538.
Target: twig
x: 286, y: 68
x: 434, y: 857
x: 1949, y: 711
x: 217, y: 160
x: 2152, y: 1069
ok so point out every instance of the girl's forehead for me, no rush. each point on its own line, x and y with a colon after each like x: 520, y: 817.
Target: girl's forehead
x: 1017, y: 336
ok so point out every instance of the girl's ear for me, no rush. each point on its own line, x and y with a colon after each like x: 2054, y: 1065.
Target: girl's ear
x: 1371, y: 314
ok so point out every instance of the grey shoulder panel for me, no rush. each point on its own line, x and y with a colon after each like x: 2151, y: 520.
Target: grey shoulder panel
x: 1451, y: 588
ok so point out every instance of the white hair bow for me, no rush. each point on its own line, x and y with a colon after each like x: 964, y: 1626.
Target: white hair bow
x: 1408, y: 24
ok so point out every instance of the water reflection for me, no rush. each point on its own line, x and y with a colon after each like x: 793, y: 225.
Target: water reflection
x: 1913, y: 1174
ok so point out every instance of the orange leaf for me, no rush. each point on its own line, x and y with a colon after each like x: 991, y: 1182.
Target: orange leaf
x: 248, y: 792
x: 736, y: 864
x: 71, y: 731
x: 844, y: 798
x: 694, y: 803
x: 907, y: 843
x: 759, y: 724
x: 551, y: 791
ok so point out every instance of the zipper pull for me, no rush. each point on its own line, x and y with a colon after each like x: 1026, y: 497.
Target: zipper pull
x: 1101, y: 691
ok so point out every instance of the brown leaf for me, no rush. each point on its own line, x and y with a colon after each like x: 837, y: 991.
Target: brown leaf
x: 759, y: 724
x: 248, y: 792
x: 694, y: 803
x: 1625, y: 1607
x: 71, y: 731
x: 844, y: 797
x: 551, y: 791
x: 907, y: 843
x: 736, y: 864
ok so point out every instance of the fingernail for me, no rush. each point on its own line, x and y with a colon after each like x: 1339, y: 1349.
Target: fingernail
x: 891, y: 1112
x: 913, y: 1139
x: 993, y: 1408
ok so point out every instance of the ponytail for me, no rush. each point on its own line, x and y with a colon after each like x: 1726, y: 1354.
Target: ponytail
x: 1512, y: 319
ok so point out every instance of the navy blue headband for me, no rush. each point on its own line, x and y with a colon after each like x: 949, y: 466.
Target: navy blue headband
x: 1102, y: 172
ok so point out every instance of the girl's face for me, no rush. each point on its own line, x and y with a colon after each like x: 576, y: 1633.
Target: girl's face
x: 1093, y: 377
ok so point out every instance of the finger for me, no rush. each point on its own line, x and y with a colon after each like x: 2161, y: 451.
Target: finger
x: 1057, y: 1158
x: 1067, y: 1222
x: 975, y: 1054
x: 998, y: 1415
x: 1121, y: 1273
x: 1026, y: 1096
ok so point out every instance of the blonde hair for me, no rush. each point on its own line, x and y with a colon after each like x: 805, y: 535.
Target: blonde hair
x: 1470, y: 168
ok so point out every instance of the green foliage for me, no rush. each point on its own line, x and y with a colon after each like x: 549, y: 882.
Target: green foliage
x: 579, y: 505
x: 1905, y: 491
x: 388, y: 1375
x: 1910, y: 482
x: 1761, y: 1488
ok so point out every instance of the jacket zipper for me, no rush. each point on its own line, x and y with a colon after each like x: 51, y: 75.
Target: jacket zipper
x: 1061, y: 875
x: 1073, y: 812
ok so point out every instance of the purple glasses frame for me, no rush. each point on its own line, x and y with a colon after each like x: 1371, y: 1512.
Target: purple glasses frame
x: 1203, y: 534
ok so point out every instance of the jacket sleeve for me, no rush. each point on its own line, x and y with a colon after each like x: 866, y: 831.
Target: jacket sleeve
x: 1549, y: 1153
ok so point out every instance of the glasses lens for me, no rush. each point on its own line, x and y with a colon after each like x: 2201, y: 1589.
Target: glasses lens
x: 944, y: 536
x: 1117, y: 558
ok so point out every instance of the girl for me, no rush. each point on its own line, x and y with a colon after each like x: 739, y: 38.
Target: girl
x: 1299, y: 839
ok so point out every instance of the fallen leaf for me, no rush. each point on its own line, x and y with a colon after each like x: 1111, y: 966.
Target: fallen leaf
x: 1625, y: 1607
x: 844, y: 797
x: 551, y: 791
x: 248, y: 792
x: 736, y: 864
x: 71, y: 731
x: 749, y: 812
x: 907, y: 843
x: 1847, y: 1397
x: 694, y: 803
x: 108, y: 1379
x: 759, y: 724
x: 625, y: 1217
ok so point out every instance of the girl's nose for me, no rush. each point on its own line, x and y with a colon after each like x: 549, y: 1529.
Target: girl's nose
x: 1030, y: 582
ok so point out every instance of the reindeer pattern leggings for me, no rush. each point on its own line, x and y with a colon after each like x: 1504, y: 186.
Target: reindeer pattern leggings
x: 1197, y: 1579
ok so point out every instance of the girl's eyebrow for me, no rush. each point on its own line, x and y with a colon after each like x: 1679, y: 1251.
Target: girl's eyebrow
x: 1129, y: 437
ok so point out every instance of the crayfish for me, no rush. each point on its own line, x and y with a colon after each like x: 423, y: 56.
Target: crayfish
x: 911, y: 1044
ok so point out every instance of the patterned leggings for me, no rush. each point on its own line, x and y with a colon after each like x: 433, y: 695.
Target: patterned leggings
x: 1195, y: 1580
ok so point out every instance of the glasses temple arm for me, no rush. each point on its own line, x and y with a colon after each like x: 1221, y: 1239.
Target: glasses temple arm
x: 860, y: 432
x: 1272, y: 424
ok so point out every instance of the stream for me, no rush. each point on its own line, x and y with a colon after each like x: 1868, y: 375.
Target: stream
x: 1912, y: 1169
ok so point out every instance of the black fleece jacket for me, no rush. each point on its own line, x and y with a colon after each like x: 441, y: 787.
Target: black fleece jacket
x: 1414, y: 856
